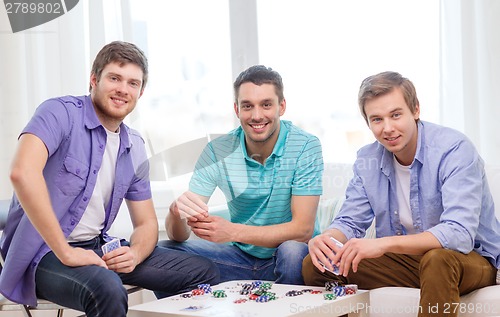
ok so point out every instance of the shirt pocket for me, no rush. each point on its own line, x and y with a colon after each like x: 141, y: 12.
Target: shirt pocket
x: 73, y: 176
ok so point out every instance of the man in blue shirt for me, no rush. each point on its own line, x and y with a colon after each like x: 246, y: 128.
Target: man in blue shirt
x: 270, y: 173
x: 426, y: 189
x: 75, y: 163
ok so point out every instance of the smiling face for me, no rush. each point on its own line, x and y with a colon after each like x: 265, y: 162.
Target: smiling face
x: 259, y: 110
x: 393, y: 124
x: 116, y: 92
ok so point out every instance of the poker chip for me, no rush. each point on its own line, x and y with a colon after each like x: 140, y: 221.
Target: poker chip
x: 247, y: 287
x: 262, y: 299
x: 329, y: 285
x: 351, y: 289
x: 307, y: 290
x: 293, y: 293
x: 240, y: 301
x: 219, y: 294
x: 265, y: 286
x: 197, y: 292
x: 329, y: 296
x: 316, y: 292
x: 205, y: 287
x: 339, y: 291
x: 256, y: 284
x: 185, y: 295
x: 244, y: 292
x: 253, y: 296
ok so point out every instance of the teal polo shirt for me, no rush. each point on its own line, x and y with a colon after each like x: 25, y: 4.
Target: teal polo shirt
x: 256, y: 194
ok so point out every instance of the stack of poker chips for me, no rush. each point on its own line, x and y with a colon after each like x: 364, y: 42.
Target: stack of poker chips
x: 330, y: 285
x: 206, y: 288
x: 339, y: 291
x: 329, y: 296
x: 351, y: 289
x: 219, y: 293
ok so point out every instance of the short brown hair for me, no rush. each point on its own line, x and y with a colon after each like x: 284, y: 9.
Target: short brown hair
x: 122, y: 53
x: 258, y: 75
x: 384, y: 83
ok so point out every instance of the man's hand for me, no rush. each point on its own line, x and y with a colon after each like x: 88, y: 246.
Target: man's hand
x: 190, y: 206
x: 356, y: 250
x: 81, y: 257
x: 121, y: 260
x: 322, y: 249
x: 214, y: 229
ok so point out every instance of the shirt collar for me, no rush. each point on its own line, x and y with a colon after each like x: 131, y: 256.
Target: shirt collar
x: 386, y: 164
x: 279, y: 147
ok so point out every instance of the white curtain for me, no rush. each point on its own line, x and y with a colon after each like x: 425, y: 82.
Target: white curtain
x: 51, y: 60
x: 470, y: 72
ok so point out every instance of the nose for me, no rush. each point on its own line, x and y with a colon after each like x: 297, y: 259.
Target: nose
x: 121, y: 87
x: 388, y: 127
x: 257, y: 113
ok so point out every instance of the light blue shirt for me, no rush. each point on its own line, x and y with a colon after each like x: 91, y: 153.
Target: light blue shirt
x: 260, y: 195
x: 449, y: 194
x: 75, y: 141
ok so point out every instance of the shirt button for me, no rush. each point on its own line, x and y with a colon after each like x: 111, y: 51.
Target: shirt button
x: 72, y: 222
x: 84, y: 198
x: 396, y: 212
x: 94, y: 171
x: 78, y: 171
x: 101, y: 146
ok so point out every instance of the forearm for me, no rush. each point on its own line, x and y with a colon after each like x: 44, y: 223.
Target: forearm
x: 273, y: 235
x: 416, y: 244
x: 143, y: 240
x: 177, y: 228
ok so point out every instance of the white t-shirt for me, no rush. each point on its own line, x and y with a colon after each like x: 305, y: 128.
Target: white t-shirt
x: 403, y: 195
x: 92, y: 221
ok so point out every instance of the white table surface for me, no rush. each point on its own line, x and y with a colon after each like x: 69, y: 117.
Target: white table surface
x: 301, y: 305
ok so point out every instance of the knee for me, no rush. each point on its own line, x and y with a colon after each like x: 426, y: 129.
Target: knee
x: 292, y: 250
x: 439, y: 263
x: 107, y: 289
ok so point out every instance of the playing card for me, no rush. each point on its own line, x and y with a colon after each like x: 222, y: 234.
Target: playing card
x: 111, y: 245
x: 335, y: 268
x: 195, y: 308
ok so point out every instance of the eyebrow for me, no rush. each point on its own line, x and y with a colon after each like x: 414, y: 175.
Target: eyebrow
x: 391, y: 112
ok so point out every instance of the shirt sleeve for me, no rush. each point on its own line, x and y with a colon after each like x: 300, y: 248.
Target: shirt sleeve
x: 51, y: 123
x: 461, y: 175
x: 308, y: 175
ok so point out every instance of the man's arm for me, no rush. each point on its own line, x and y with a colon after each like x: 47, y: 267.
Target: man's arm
x: 300, y: 228
x: 142, y: 241
x: 31, y: 189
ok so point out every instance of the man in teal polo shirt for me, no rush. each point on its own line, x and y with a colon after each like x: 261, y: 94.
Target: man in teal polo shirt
x: 270, y: 172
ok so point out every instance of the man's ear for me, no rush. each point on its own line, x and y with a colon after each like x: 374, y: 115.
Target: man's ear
x: 282, y: 107
x: 237, y: 110
x: 93, y: 81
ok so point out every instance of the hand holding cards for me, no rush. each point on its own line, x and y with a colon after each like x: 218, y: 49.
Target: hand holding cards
x: 111, y: 245
x: 335, y: 268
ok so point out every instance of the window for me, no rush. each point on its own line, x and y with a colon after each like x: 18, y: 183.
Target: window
x: 322, y: 48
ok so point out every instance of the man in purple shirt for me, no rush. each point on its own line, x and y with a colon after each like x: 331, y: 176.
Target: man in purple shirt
x: 75, y: 163
x: 426, y: 188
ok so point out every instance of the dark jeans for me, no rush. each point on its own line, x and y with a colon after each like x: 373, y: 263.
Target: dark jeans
x: 285, y: 267
x: 100, y: 292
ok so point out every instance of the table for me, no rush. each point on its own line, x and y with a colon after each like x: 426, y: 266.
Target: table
x: 306, y: 304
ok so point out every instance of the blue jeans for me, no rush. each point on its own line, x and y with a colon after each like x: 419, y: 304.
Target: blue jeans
x: 99, y: 292
x: 285, y: 267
